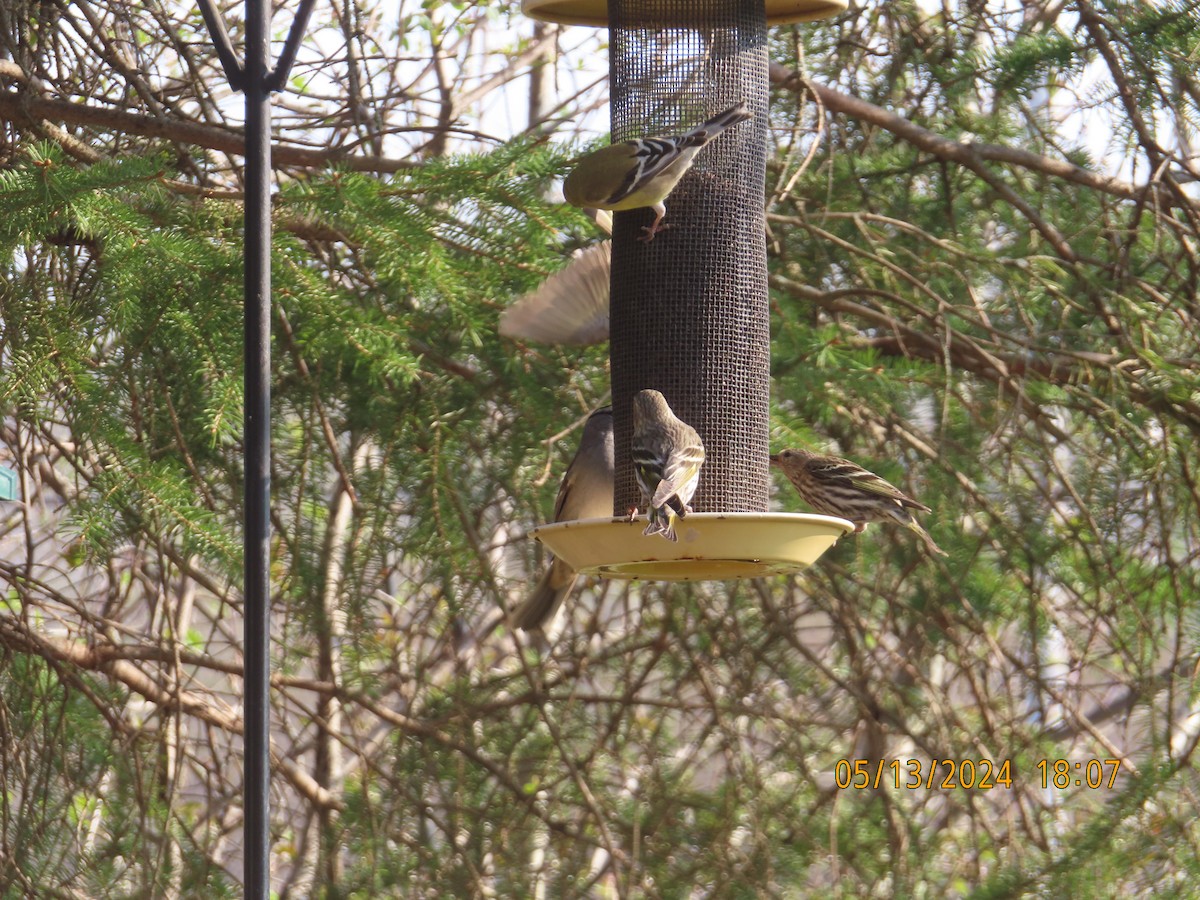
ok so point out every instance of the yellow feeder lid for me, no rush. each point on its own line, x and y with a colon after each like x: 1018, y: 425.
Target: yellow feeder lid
x: 711, y: 546
x: 595, y: 12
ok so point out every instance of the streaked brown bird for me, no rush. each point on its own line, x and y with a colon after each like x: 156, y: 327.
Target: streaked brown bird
x: 667, y: 455
x: 838, y: 487
x: 586, y: 492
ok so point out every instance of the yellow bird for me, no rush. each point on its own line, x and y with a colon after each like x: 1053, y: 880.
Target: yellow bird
x: 641, y: 173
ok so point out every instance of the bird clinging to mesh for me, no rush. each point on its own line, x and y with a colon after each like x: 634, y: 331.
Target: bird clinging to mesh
x: 634, y: 174
x: 838, y: 487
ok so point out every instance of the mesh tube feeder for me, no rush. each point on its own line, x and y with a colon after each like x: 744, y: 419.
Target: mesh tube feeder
x: 689, y: 311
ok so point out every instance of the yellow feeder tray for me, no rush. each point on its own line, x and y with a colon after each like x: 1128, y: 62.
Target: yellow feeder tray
x: 711, y: 546
x: 595, y: 12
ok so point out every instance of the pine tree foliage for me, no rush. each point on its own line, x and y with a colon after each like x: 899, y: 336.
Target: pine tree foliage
x: 982, y: 228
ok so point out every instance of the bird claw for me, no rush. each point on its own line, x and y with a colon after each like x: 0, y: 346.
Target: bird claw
x: 652, y: 230
x: 633, y: 513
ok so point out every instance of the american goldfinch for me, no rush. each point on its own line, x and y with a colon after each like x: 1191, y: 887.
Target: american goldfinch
x: 570, y: 307
x: 837, y: 487
x: 667, y: 455
x: 586, y: 492
x: 640, y: 173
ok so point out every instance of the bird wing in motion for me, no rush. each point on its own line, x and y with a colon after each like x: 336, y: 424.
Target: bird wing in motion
x: 570, y: 307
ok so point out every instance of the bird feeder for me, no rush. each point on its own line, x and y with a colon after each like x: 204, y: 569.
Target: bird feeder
x: 694, y: 14
x: 689, y: 312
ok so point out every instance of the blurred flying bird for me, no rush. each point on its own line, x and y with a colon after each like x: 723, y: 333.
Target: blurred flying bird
x: 570, y: 307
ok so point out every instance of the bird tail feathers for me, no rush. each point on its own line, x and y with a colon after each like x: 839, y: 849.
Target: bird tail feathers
x: 662, y: 521
x: 545, y: 598
x: 705, y: 132
x: 924, y: 535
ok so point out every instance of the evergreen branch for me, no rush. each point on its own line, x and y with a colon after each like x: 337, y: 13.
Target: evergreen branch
x: 973, y: 154
x: 15, y: 635
x: 1067, y: 368
x: 24, y: 105
x: 1123, y: 702
x: 335, y: 455
x: 100, y: 654
x: 1157, y: 156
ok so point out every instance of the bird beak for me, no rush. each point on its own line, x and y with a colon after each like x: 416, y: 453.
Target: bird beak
x: 774, y: 457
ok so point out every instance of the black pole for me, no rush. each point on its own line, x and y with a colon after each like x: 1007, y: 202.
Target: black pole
x: 257, y: 80
x: 257, y: 425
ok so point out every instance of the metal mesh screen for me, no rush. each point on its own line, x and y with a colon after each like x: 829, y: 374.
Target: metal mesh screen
x: 689, y: 310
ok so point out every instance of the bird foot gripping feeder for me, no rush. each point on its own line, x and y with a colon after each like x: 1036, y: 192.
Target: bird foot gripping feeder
x: 689, y: 312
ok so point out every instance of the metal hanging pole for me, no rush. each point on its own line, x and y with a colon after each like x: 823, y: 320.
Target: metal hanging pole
x: 257, y: 429
x: 257, y: 81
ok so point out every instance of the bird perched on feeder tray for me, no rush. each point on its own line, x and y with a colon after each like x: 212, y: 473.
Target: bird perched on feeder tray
x: 634, y: 174
x: 586, y: 492
x: 837, y: 487
x: 667, y: 455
